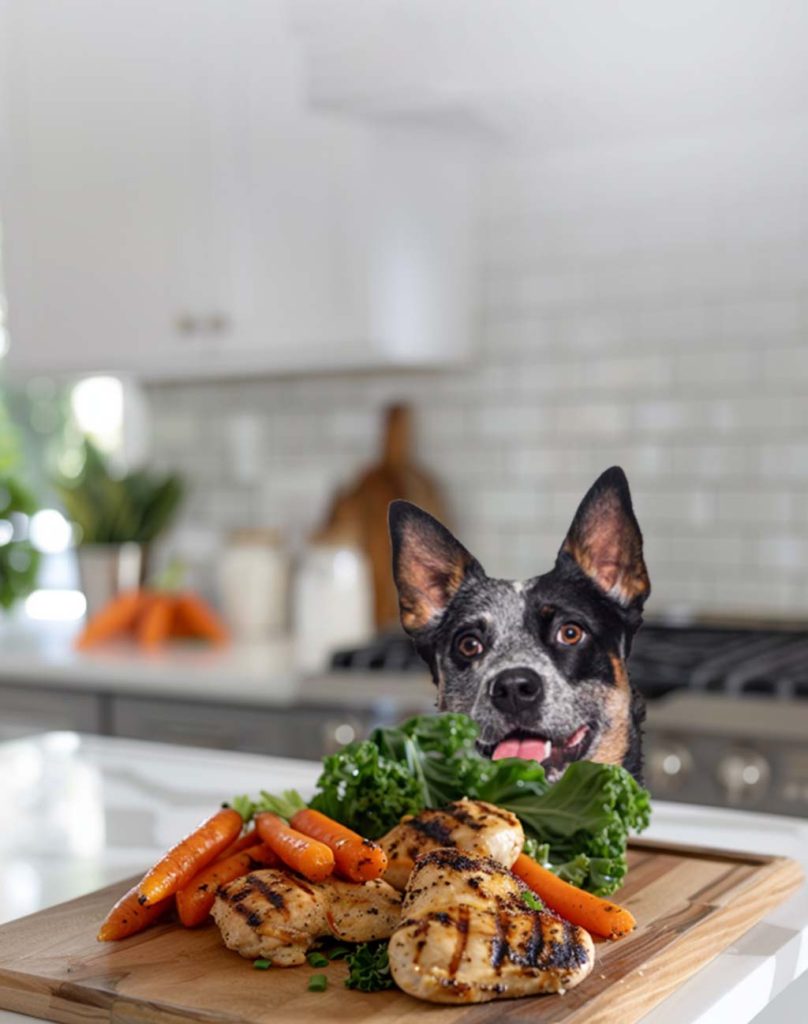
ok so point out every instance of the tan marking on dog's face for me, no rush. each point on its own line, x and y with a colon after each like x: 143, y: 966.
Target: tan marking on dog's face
x: 614, y: 741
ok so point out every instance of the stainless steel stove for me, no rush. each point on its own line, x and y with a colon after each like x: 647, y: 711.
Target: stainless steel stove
x: 727, y: 710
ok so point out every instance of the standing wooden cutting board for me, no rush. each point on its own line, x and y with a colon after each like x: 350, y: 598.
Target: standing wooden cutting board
x: 690, y: 902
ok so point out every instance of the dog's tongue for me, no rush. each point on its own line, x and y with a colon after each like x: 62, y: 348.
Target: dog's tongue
x: 529, y: 749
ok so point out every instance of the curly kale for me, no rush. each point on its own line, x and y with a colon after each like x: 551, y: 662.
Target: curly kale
x: 365, y: 790
x: 580, y: 825
x: 369, y: 968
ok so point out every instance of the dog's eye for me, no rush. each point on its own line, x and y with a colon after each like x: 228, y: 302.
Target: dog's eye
x: 570, y: 634
x: 469, y: 646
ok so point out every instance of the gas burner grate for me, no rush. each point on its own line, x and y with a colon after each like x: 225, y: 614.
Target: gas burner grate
x: 714, y: 659
x: 390, y: 652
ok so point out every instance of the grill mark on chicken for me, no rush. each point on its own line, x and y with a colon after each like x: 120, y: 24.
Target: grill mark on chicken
x: 233, y: 898
x: 433, y: 829
x: 474, y: 826
x: 462, y: 928
x: 274, y: 914
x: 462, y: 816
x: 499, y: 945
x: 300, y: 884
x: 565, y: 953
x: 268, y: 892
x: 535, y: 945
x: 459, y: 861
x: 457, y: 944
x: 420, y: 939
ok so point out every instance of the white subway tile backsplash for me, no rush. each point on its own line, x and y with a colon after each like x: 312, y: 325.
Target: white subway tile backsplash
x: 784, y: 551
x: 593, y: 419
x: 660, y: 417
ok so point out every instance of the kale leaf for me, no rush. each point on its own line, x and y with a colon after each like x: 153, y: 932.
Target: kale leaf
x: 367, y: 791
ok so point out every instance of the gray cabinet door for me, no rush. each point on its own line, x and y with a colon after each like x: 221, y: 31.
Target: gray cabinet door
x: 28, y: 709
x: 283, y: 732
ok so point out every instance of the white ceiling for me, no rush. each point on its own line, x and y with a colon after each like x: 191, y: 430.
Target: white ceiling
x: 557, y: 69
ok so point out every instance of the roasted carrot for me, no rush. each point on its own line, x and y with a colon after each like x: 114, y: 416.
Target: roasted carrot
x: 196, y: 899
x: 196, y: 617
x: 309, y: 857
x: 250, y: 838
x: 187, y: 858
x: 355, y: 858
x: 579, y: 907
x: 129, y: 916
x: 155, y: 623
x: 115, y: 617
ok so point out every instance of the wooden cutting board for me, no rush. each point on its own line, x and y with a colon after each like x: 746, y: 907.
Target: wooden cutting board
x: 358, y: 514
x: 690, y: 903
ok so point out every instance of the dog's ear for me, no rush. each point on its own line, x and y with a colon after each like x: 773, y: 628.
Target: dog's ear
x: 606, y: 543
x: 429, y: 565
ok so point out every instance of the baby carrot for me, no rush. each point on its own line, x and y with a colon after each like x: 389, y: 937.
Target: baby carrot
x: 115, y: 617
x: 197, y: 618
x: 129, y: 916
x: 196, y: 899
x: 310, y: 858
x: 579, y: 907
x: 187, y: 858
x: 355, y: 858
x: 250, y: 838
x: 155, y: 623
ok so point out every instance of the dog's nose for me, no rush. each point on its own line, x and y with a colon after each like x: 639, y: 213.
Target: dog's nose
x: 516, y: 690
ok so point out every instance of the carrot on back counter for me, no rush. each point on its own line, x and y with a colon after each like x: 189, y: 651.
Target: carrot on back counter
x: 118, y: 616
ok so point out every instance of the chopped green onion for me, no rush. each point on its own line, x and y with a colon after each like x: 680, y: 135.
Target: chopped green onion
x: 338, y: 952
x: 316, y: 959
x: 318, y: 983
x: 262, y: 965
x: 532, y: 900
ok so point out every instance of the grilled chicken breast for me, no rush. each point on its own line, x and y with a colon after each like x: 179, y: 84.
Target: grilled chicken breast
x: 470, y: 825
x: 467, y: 936
x: 280, y: 916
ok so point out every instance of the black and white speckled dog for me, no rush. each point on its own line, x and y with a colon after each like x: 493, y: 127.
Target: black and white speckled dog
x: 539, y: 664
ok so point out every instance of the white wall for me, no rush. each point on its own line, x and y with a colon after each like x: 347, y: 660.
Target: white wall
x: 643, y: 303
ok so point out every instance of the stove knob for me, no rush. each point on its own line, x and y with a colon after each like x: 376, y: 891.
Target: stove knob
x: 669, y: 766
x: 745, y: 776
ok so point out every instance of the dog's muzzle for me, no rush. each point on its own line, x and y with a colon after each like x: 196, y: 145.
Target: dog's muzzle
x: 516, y: 691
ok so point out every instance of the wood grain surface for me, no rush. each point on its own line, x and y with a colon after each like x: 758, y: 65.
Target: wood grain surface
x: 691, y: 903
x: 358, y: 513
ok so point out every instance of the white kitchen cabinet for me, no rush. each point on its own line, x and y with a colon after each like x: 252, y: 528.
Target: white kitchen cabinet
x: 170, y: 209
x: 109, y: 207
x: 358, y: 246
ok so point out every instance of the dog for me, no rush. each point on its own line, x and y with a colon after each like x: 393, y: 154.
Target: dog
x: 539, y: 664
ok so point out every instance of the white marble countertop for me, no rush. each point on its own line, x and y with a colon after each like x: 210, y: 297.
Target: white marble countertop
x: 258, y: 674
x: 79, y: 812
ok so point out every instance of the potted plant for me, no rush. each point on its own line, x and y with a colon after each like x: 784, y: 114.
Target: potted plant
x: 117, y: 517
x: 19, y: 560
